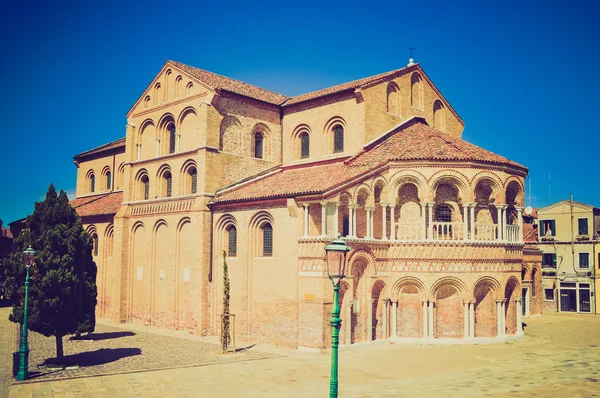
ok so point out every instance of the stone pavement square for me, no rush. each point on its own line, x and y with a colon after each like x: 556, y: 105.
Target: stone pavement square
x: 560, y: 357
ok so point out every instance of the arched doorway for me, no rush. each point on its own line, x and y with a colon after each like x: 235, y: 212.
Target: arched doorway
x: 380, y: 316
x: 486, y: 315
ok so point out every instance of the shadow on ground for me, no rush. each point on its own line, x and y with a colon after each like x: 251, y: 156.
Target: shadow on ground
x: 98, y: 357
x: 102, y: 336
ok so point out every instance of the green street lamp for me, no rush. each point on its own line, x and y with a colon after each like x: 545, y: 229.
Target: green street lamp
x: 335, y: 260
x: 28, y: 259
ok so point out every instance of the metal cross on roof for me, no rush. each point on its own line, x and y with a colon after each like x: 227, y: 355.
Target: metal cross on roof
x: 411, y: 48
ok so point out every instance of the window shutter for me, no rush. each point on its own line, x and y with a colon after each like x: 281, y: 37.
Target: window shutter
x: 553, y: 226
x: 553, y: 260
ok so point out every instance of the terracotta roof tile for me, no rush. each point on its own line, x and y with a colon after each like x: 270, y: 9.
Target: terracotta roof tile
x: 416, y: 141
x: 530, y: 233
x: 103, y: 204
x: 5, y: 233
x: 235, y: 86
x: 106, y: 147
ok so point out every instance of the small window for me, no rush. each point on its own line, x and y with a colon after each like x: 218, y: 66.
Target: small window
x: 267, y: 231
x: 194, y: 178
x: 304, y: 146
x: 171, y: 138
x: 443, y: 213
x: 548, y: 228
x: 92, y: 183
x: 584, y: 260
x: 168, y: 184
x: 95, y: 244
x: 232, y: 232
x: 108, y: 179
x: 345, y: 226
x: 258, y: 145
x: 145, y: 187
x: 583, y: 226
x: 338, y: 139
x: 549, y: 260
x: 549, y: 294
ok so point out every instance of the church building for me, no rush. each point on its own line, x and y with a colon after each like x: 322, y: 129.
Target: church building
x: 210, y: 164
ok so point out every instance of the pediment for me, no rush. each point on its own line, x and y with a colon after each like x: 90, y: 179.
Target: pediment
x: 170, y: 85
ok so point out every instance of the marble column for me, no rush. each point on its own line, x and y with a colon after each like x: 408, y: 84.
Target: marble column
x: 499, y: 212
x: 472, y: 318
x: 394, y: 317
x: 306, y: 206
x: 520, y: 223
x: 392, y: 222
x: 519, y: 303
x: 425, y: 322
x: 323, y: 219
x: 466, y: 318
x: 423, y: 221
x: 431, y: 318
x: 354, y: 217
x: 350, y: 220
x: 430, y: 219
x: 465, y: 222
x: 385, y: 320
x: 178, y: 142
x: 336, y: 215
x: 157, y: 147
x: 504, y: 237
x: 139, y: 151
x: 472, y: 220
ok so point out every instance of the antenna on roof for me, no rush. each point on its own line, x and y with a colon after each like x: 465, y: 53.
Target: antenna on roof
x: 549, y: 170
x: 411, y: 61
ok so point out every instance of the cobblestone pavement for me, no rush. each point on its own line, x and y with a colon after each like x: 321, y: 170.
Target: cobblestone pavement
x: 560, y: 357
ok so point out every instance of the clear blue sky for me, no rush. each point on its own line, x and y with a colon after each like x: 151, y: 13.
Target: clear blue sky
x: 522, y: 75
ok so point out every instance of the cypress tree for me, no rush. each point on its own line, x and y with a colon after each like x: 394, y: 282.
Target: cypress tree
x: 225, y: 332
x: 62, y: 293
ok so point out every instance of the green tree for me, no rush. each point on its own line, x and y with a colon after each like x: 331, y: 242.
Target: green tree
x: 225, y: 332
x: 62, y: 294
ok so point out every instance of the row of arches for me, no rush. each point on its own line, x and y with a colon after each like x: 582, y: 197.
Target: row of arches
x: 237, y: 139
x: 168, y: 135
x: 165, y: 182
x: 107, y: 180
x: 333, y: 139
x: 169, y: 88
x: 259, y: 234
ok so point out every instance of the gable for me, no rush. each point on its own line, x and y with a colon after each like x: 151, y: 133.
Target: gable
x: 170, y: 85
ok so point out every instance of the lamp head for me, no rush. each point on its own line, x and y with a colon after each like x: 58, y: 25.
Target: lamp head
x: 29, y: 256
x: 335, y: 260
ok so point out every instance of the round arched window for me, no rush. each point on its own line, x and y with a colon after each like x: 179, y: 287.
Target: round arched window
x: 443, y: 213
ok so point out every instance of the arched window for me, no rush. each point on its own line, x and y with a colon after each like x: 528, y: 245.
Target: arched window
x: 267, y: 235
x: 438, y: 115
x: 95, y: 244
x: 120, y: 176
x: 193, y: 180
x: 258, y: 145
x: 108, y: 242
x: 92, y: 183
x: 392, y: 99
x: 232, y: 238
x: 443, y: 213
x: 188, y: 88
x: 147, y: 101
x: 416, y: 91
x: 171, y: 129
x: 145, y: 187
x: 338, y: 139
x: 167, y: 184
x: 178, y: 86
x: 304, y: 146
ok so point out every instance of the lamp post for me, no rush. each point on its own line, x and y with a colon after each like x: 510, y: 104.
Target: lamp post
x: 28, y: 259
x: 335, y: 260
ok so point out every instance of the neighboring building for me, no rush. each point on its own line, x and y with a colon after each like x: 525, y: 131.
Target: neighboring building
x: 210, y: 164
x: 531, y: 278
x: 6, y: 241
x: 566, y: 238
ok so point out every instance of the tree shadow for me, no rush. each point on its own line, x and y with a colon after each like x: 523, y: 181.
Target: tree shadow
x: 242, y: 349
x: 94, y: 358
x: 101, y: 336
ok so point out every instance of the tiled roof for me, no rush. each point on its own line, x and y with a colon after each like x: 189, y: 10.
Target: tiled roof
x: 106, y: 147
x: 421, y: 142
x: 340, y: 87
x: 530, y: 233
x: 232, y: 85
x: 5, y: 233
x: 103, y: 204
x: 413, y: 140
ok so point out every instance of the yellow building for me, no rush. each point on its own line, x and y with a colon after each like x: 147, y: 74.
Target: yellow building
x: 566, y: 238
x: 211, y: 164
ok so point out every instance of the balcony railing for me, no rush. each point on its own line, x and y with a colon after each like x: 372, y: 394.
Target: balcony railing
x: 486, y: 232
x: 448, y: 231
x: 408, y: 231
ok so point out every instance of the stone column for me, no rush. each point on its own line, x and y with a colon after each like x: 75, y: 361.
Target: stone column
x: 354, y: 217
x: 306, y: 206
x: 466, y: 318
x: 384, y: 320
x: 157, y: 146
x: 520, y: 223
x: 430, y: 215
x: 503, y: 316
x: 350, y: 219
x: 503, y: 207
x: 349, y: 323
x: 178, y: 142
x: 423, y: 221
x: 336, y: 215
x: 425, y: 323
x: 499, y: 211
x: 519, y: 303
x: 370, y: 214
x: 395, y: 318
x: 465, y: 222
x: 383, y: 221
x: 323, y: 219
x: 431, y: 318
x: 472, y: 318
x: 498, y: 316
x: 370, y: 320
x: 392, y: 222
x: 472, y: 220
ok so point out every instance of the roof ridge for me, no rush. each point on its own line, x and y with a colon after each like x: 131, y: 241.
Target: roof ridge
x: 100, y: 147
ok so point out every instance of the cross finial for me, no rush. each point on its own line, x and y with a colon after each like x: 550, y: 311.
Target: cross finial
x: 411, y: 49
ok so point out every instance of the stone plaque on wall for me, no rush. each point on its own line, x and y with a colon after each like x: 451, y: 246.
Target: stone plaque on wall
x: 186, y: 274
x: 161, y: 275
x: 140, y: 272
